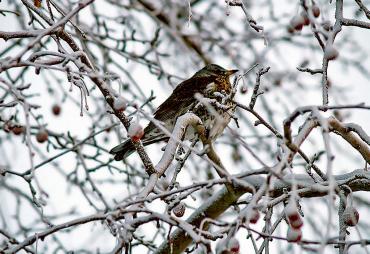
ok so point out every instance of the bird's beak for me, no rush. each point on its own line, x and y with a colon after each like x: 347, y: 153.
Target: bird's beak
x: 231, y: 72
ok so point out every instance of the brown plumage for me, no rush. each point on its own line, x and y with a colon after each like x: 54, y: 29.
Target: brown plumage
x: 212, y: 78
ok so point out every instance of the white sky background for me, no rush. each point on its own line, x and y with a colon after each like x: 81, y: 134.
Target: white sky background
x: 356, y: 87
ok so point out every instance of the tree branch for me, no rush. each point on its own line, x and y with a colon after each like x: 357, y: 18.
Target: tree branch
x: 357, y: 180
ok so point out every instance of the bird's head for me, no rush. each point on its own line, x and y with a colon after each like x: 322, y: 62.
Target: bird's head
x: 214, y: 70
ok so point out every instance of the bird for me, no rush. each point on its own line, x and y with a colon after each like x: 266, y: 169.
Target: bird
x: 211, y: 82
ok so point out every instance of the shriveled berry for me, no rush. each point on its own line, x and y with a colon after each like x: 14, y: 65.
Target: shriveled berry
x: 243, y: 89
x: 326, y: 25
x: 7, y: 127
x: 179, y: 210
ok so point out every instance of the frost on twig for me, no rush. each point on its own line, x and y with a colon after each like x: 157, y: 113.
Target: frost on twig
x: 345, y: 132
x: 256, y: 91
x: 178, y: 132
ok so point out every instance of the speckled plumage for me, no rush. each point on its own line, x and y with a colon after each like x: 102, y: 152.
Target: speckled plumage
x: 212, y: 78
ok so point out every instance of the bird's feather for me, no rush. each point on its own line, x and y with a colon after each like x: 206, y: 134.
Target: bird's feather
x: 126, y: 148
x: 180, y: 100
x: 206, y: 81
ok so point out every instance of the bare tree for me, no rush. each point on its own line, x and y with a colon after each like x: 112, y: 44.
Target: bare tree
x: 290, y: 171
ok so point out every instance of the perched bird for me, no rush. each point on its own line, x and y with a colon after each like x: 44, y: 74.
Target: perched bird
x: 212, y: 83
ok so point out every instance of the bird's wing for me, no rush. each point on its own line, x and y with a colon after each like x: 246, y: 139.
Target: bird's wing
x: 180, y: 99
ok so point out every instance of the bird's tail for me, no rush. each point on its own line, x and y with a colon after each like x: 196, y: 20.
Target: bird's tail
x: 126, y: 148
x: 122, y: 150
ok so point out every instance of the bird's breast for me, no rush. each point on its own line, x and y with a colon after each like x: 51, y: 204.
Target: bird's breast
x: 218, y: 85
x: 223, y: 84
x: 215, y: 122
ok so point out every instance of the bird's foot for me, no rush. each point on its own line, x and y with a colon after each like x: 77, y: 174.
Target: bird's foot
x: 180, y: 150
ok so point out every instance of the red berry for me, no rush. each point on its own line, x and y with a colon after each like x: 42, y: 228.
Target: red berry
x: 292, y: 215
x: 297, y: 223
x: 18, y: 129
x: 291, y: 210
x: 305, y: 18
x: 351, y: 216
x: 297, y: 22
x: 254, y: 216
x: 315, y: 10
x: 56, y: 110
x: 42, y: 136
x: 119, y: 104
x: 135, y: 131
x: 233, y: 245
